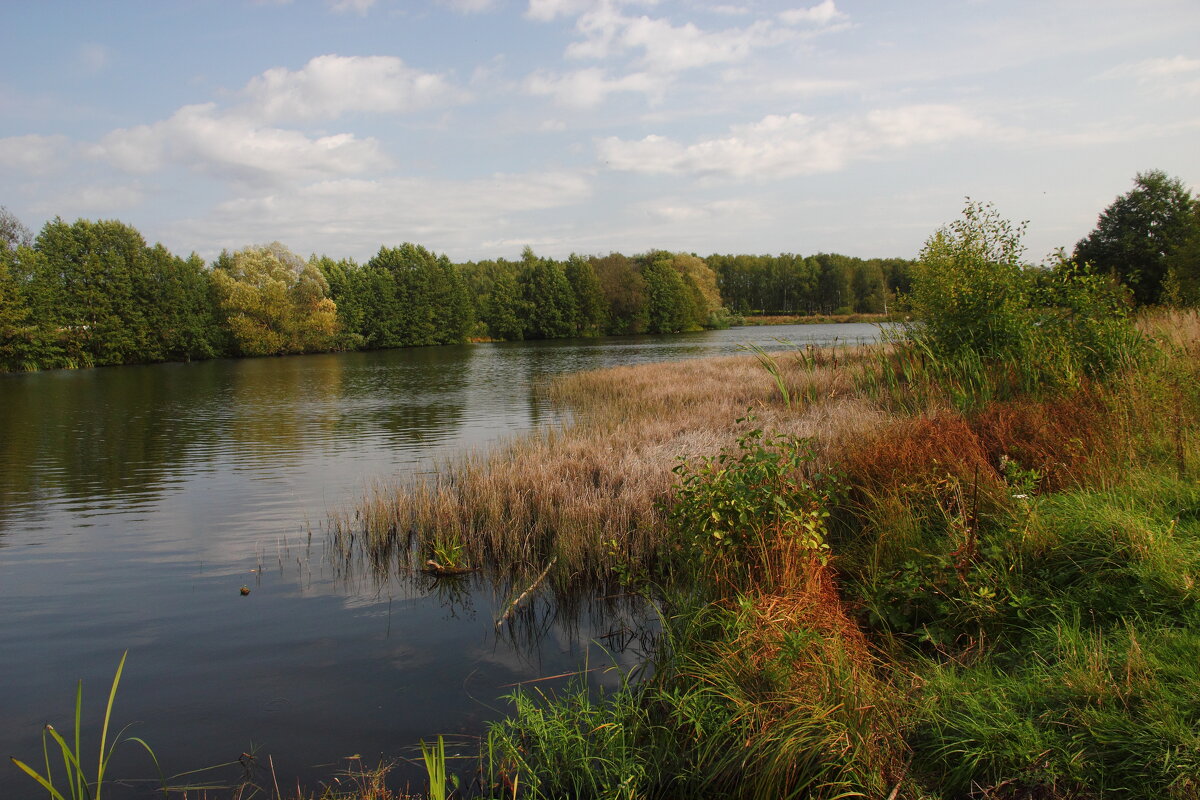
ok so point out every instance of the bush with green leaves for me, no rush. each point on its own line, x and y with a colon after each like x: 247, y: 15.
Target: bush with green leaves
x: 740, y: 498
x: 978, y: 306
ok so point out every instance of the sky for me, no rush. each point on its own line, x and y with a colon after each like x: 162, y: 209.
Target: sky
x: 477, y: 127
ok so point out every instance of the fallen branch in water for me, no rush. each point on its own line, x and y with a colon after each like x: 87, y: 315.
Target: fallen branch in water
x: 526, y: 593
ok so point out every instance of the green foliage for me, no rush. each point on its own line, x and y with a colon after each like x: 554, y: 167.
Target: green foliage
x: 274, y: 302
x: 970, y: 291
x: 625, y: 292
x: 346, y: 288
x: 987, y: 325
x: 1136, y: 235
x: 548, y: 298
x: 739, y: 499
x: 14, y: 318
x: 434, y: 757
x: 667, y: 300
x: 504, y: 311
x: 824, y: 283
x: 78, y: 784
x: 1181, y: 284
x: 573, y: 745
x: 591, y: 313
x: 408, y: 296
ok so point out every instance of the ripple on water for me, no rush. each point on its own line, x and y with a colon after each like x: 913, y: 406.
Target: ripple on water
x: 135, y: 502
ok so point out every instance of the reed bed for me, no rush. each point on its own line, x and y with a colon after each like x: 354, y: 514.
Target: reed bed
x: 590, y: 493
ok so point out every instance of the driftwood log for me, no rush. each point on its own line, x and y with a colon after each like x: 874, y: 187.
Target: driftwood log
x: 434, y: 568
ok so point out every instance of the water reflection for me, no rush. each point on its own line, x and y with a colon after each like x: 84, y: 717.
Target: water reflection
x: 135, y: 501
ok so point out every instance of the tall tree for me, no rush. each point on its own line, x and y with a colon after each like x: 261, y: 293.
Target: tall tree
x: 1183, y: 266
x: 590, y: 312
x: 624, y: 291
x: 13, y: 233
x: 274, y: 303
x: 1137, y: 233
x: 667, y: 299
x: 502, y: 310
x: 95, y: 278
x: 549, y: 301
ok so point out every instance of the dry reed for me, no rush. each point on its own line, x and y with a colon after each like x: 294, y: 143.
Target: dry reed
x: 589, y: 493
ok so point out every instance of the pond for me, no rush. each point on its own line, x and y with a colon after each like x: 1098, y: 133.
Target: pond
x: 135, y: 502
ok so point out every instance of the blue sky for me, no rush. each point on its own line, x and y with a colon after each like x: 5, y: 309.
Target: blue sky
x: 475, y: 127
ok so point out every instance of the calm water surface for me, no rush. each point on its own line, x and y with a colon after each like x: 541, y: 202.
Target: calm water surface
x: 135, y: 501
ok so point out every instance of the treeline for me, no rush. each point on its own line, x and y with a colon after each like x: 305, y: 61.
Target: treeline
x: 93, y: 293
x: 539, y: 298
x: 826, y: 283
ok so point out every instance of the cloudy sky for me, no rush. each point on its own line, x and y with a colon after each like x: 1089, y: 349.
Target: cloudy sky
x: 476, y: 127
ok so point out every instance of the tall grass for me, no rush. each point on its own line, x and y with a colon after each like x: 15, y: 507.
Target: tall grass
x: 78, y: 782
x: 590, y: 494
x: 1007, y: 607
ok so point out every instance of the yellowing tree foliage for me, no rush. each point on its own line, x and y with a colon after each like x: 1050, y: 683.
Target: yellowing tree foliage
x: 274, y: 303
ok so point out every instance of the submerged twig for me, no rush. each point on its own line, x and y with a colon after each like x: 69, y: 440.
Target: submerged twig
x: 512, y: 608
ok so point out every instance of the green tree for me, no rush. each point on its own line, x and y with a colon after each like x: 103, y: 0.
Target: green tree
x: 180, y: 308
x: 548, y: 300
x: 667, y: 299
x: 1138, y: 232
x: 346, y: 289
x: 14, y: 317
x: 591, y: 313
x: 835, y: 291
x: 273, y: 302
x: 93, y: 286
x: 869, y: 286
x: 503, y: 311
x: 13, y: 233
x: 624, y: 291
x: 970, y: 288
x: 414, y: 297
x: 1183, y: 266
x: 977, y: 304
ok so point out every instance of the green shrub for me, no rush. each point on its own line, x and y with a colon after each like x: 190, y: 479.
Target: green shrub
x: 738, y: 500
x: 990, y: 323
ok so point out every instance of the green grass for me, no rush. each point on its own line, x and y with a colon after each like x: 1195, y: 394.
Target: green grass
x: 77, y: 781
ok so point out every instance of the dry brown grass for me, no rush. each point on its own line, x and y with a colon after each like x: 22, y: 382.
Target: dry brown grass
x: 589, y: 493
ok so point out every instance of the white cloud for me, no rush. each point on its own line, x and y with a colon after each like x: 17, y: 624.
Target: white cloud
x: 331, y: 85
x: 1178, y: 76
x: 546, y: 10
x: 666, y: 47
x: 93, y: 199
x: 771, y: 84
x: 823, y: 13
x: 357, y: 6
x: 357, y: 215
x: 33, y: 153
x: 586, y: 88
x: 780, y: 146
x: 469, y: 6
x: 674, y: 209
x: 1156, y: 68
x: 232, y: 147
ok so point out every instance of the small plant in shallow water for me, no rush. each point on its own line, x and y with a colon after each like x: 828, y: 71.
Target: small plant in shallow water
x: 434, y: 756
x: 77, y: 785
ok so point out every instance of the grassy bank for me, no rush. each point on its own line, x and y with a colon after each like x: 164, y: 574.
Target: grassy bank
x: 1001, y: 602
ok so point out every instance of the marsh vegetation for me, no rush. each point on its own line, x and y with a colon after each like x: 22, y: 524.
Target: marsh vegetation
x: 962, y: 564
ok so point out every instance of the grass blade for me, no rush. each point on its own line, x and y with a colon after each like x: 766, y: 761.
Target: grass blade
x: 45, y: 783
x: 112, y: 696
